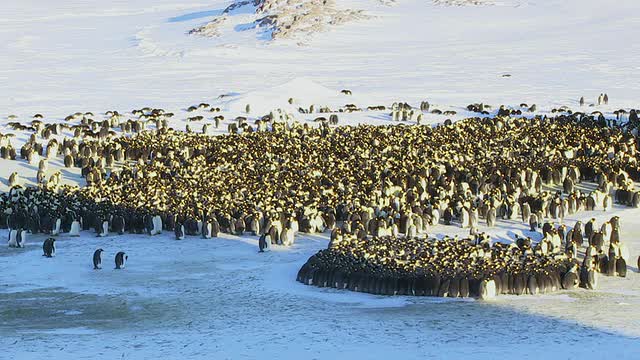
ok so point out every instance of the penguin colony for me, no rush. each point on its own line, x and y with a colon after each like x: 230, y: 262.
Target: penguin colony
x: 280, y: 177
x: 471, y: 267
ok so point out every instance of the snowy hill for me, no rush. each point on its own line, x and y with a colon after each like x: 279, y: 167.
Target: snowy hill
x: 92, y: 55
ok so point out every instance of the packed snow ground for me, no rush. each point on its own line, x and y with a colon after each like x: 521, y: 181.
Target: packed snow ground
x: 219, y: 298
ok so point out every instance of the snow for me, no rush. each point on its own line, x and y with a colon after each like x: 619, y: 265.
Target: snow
x: 219, y: 298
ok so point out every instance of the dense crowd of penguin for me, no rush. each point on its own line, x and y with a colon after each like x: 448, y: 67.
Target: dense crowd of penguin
x: 377, y: 188
x: 470, y: 267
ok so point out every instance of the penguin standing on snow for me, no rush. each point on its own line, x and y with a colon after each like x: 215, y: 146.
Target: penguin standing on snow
x: 264, y: 242
x: 13, y: 242
x: 97, y: 259
x: 206, y: 229
x: 21, y: 238
x: 533, y: 222
x: 571, y: 280
x: 179, y: 231
x: 75, y: 228
x: 49, y: 247
x: 118, y: 224
x: 121, y: 259
x: 157, y: 225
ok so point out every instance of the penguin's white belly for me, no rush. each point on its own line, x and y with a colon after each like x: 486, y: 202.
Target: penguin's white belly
x: 75, y: 229
x: 13, y: 242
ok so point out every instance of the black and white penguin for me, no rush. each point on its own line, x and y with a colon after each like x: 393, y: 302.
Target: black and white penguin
x: 75, y: 228
x: 621, y: 267
x: 206, y: 229
x: 570, y: 280
x: 148, y: 224
x: 121, y: 259
x: 97, y: 259
x: 533, y: 222
x: 262, y: 242
x: 57, y: 224
x: 13, y: 242
x: 179, y: 231
x: 49, y: 247
x: 487, y: 289
x: 215, y: 227
x: 18, y: 238
x: 102, y: 228
x: 157, y: 225
x: 118, y: 224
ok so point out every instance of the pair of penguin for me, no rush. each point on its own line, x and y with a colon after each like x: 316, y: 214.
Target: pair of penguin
x: 17, y: 238
x: 120, y: 260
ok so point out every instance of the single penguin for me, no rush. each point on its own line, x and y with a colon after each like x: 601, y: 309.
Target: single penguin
x: 206, y: 229
x: 118, y: 224
x: 157, y: 225
x: 121, y: 259
x: 97, y: 259
x: 570, y: 280
x: 75, y: 228
x: 262, y: 243
x: 21, y: 238
x: 13, y: 242
x: 49, y: 247
x: 179, y: 231
x: 621, y: 267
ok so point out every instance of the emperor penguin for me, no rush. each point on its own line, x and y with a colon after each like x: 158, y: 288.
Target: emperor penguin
x: 570, y: 280
x: 215, y: 227
x: 13, y: 241
x: 21, y: 238
x: 75, y: 228
x: 14, y: 179
x: 613, y: 259
x: 588, y: 276
x: 526, y: 212
x: 465, y: 221
x: 487, y: 289
x: 287, y: 237
x: 118, y: 224
x: 56, y: 227
x: 206, y: 229
x: 254, y: 226
x: 49, y: 247
x: 157, y: 225
x: 621, y: 267
x: 179, y: 231
x: 411, y: 231
x: 606, y: 202
x: 103, y: 228
x: 491, y: 217
x: 148, y: 224
x: 533, y: 286
x: 533, y: 222
x: 263, y: 244
x: 121, y: 259
x: 97, y: 259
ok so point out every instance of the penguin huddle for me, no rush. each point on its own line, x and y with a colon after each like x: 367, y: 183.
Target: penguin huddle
x: 448, y: 267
